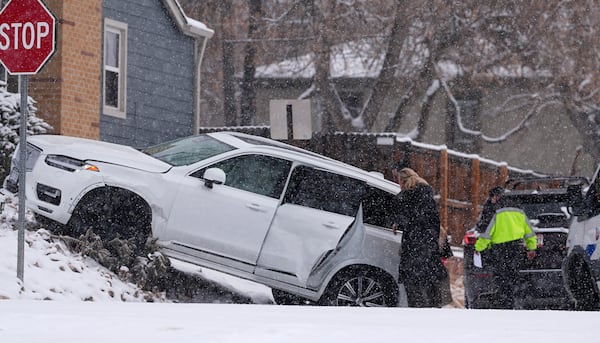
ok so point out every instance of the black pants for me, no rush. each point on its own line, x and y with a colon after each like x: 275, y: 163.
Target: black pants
x: 423, y: 294
x: 506, y: 260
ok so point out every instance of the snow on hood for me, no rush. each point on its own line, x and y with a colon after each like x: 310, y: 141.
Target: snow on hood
x: 91, y: 150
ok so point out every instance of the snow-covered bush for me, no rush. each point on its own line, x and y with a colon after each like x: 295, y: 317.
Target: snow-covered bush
x: 146, y: 267
x: 10, y: 122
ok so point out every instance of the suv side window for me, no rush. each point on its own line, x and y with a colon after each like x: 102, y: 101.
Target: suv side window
x: 259, y: 174
x: 324, y: 191
x: 379, y: 207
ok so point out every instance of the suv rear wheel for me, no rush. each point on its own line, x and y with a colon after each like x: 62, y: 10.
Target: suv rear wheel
x: 357, y: 287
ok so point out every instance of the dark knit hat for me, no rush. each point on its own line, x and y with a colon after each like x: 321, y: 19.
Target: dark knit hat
x: 496, y: 191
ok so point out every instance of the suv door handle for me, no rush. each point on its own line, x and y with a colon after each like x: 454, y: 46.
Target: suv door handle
x: 331, y: 225
x: 255, y: 207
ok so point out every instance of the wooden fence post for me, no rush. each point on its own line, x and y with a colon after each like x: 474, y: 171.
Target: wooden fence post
x: 503, y: 174
x: 444, y: 188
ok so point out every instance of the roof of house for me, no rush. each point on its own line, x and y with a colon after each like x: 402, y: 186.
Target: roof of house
x: 364, y: 58
x: 351, y: 59
x: 188, y: 26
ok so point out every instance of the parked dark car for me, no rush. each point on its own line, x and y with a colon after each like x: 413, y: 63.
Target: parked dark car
x: 547, y: 202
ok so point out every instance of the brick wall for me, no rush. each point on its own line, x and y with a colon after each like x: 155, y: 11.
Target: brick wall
x: 68, y: 87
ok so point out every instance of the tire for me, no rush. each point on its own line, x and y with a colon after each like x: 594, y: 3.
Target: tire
x: 285, y: 298
x: 49, y: 224
x: 112, y: 213
x: 582, y: 287
x: 357, y: 287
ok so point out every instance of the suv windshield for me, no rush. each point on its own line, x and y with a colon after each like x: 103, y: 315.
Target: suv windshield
x: 185, y: 151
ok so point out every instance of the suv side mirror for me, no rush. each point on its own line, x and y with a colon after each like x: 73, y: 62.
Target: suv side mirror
x: 213, y: 176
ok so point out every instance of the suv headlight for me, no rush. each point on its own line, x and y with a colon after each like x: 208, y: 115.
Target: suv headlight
x: 69, y: 163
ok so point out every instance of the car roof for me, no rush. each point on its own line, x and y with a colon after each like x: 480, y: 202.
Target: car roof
x: 253, y: 143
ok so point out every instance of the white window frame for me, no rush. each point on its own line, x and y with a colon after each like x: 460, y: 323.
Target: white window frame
x: 120, y: 29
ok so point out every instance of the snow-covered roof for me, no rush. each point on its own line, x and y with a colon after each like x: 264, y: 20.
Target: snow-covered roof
x: 189, y: 26
x: 350, y: 60
x: 359, y: 59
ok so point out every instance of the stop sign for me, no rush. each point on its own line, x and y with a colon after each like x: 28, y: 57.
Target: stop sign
x: 27, y: 36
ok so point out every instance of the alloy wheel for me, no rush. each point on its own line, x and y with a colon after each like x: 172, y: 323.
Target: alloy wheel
x: 360, y: 291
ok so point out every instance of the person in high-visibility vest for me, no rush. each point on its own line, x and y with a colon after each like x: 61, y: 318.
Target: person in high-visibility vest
x: 507, y: 237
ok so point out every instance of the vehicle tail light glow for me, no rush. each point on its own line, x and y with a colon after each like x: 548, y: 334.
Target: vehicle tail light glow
x: 470, y: 238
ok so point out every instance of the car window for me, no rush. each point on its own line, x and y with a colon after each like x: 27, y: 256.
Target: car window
x: 265, y: 175
x: 378, y: 207
x: 185, y: 151
x: 324, y: 191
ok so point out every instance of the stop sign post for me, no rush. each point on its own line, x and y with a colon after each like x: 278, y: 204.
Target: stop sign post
x: 27, y: 41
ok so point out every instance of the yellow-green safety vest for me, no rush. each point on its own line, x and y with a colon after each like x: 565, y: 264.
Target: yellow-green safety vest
x: 509, y: 224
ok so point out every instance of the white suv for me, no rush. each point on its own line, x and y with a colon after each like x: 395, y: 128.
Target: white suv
x: 307, y: 226
x: 581, y: 268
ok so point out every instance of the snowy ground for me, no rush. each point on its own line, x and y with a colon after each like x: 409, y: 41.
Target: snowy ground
x: 91, y: 304
x: 104, y: 321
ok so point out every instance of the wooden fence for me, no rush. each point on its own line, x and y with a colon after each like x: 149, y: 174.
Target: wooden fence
x: 461, y: 181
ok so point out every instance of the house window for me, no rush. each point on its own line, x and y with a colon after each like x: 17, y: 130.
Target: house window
x: 7, y: 81
x: 115, y: 62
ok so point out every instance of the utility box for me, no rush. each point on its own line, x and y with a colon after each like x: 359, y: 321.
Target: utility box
x: 290, y: 119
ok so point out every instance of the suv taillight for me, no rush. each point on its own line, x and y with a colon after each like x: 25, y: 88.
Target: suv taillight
x: 470, y: 238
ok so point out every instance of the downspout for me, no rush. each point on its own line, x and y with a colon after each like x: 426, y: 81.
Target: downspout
x: 199, y: 56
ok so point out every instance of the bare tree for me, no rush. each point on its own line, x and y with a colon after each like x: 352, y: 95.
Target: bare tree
x: 229, y: 101
x: 248, y: 98
x: 552, y: 44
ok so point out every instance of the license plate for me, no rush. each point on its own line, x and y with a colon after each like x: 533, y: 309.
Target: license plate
x: 14, y: 176
x: 540, y: 239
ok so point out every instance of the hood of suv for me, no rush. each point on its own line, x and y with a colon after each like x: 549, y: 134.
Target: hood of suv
x: 91, y: 150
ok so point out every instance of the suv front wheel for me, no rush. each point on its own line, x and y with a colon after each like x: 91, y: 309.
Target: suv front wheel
x: 582, y: 286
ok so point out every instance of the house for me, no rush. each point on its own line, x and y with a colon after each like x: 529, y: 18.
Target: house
x: 126, y: 72
x: 548, y: 144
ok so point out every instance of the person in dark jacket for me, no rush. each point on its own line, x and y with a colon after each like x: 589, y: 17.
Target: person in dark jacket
x: 421, y: 268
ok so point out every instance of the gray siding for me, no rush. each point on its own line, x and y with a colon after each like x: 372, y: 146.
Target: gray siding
x: 160, y: 76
